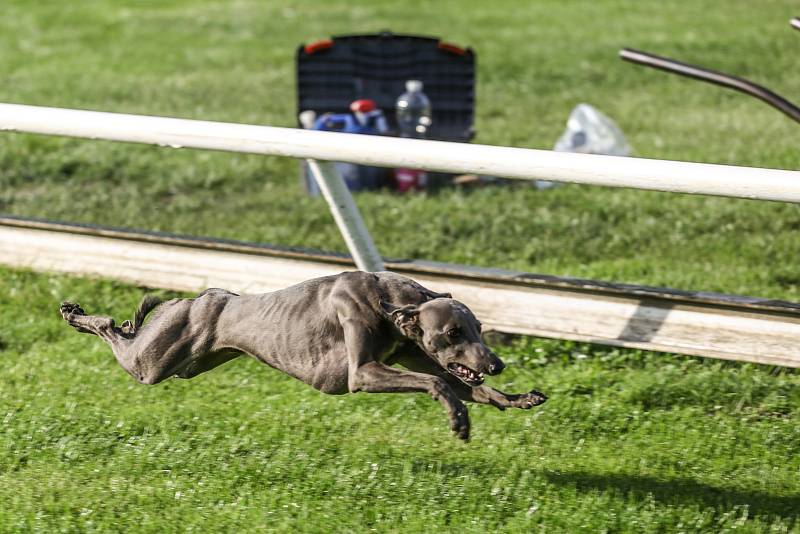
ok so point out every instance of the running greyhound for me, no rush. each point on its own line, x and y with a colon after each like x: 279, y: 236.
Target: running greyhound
x: 339, y: 334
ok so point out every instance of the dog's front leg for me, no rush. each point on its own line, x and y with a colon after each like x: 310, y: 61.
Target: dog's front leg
x: 412, y: 358
x: 375, y: 377
x: 498, y: 399
x: 364, y: 338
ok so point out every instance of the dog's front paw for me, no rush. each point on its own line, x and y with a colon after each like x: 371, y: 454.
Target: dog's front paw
x: 459, y: 422
x: 526, y: 401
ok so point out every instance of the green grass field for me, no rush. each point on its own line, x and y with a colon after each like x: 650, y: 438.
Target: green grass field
x: 629, y: 442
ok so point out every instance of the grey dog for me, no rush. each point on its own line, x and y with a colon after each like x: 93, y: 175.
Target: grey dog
x: 339, y: 334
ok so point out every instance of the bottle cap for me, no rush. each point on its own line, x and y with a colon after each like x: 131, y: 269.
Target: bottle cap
x: 412, y: 86
x: 365, y: 105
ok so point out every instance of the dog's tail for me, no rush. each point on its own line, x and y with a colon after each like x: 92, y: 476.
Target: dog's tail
x: 149, y: 302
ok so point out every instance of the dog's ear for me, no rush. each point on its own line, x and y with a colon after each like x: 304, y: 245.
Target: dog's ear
x: 404, y: 317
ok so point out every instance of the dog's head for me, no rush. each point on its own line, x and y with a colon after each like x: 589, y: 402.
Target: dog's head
x: 449, y: 333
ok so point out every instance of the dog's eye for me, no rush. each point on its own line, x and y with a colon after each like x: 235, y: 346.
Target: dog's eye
x: 453, y: 333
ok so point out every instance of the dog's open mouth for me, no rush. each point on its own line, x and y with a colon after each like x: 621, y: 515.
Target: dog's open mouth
x: 465, y: 374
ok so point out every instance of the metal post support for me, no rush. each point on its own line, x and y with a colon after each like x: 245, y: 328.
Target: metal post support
x: 347, y: 217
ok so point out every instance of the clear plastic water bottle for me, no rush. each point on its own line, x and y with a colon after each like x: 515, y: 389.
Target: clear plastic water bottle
x: 413, y: 121
x: 413, y: 111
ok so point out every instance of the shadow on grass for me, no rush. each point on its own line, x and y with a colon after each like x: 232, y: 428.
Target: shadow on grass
x: 676, y: 491
x: 683, y: 491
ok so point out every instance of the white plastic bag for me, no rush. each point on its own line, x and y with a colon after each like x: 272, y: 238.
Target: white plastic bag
x: 590, y: 132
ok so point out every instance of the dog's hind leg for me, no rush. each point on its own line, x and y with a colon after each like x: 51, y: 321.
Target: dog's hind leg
x: 149, y: 360
x: 179, y: 340
x: 104, y: 327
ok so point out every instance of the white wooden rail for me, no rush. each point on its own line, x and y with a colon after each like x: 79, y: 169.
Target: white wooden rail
x: 519, y: 163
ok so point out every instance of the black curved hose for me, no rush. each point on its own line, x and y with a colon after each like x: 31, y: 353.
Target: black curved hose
x: 717, y: 78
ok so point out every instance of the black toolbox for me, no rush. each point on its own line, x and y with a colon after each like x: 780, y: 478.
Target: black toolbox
x: 332, y: 73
